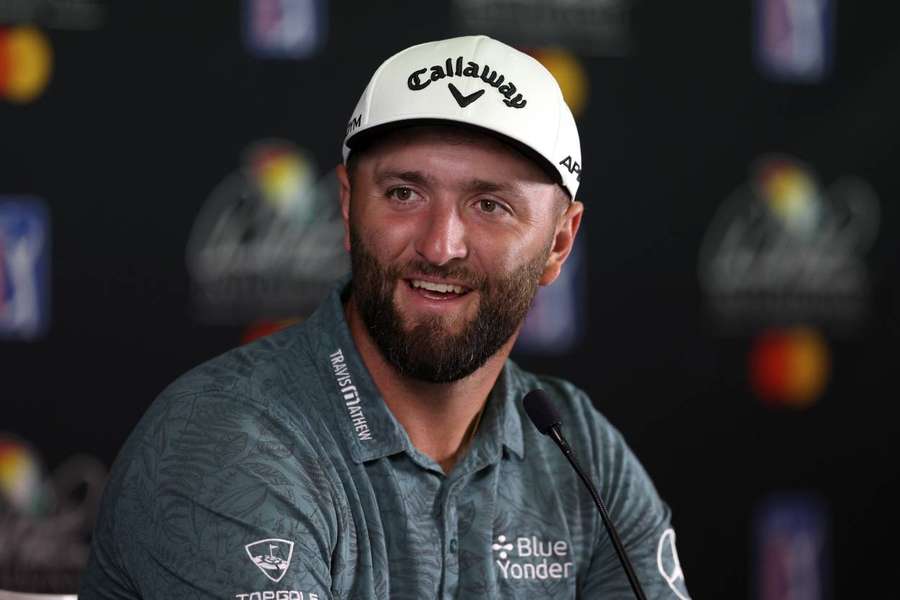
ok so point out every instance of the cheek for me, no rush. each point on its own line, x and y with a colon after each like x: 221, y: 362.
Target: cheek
x: 497, y: 263
x: 504, y: 253
x: 389, y: 240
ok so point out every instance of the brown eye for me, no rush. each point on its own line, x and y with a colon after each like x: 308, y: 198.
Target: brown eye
x: 488, y: 206
x: 403, y: 194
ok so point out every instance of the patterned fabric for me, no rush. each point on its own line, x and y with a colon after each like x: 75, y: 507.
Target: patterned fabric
x: 276, y: 471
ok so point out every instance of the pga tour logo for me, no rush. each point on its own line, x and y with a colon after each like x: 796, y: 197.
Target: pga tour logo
x: 528, y: 557
x: 272, y: 556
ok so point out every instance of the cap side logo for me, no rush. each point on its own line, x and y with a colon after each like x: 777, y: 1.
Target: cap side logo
x: 452, y: 68
x: 354, y: 123
x: 572, y: 166
x: 272, y: 556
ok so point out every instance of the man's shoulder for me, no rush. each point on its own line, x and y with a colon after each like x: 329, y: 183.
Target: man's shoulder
x: 586, y: 428
x: 232, y: 450
x: 241, y: 405
x: 570, y: 400
x: 245, y: 370
x: 597, y: 443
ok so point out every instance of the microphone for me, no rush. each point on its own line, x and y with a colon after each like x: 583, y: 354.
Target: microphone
x: 546, y: 419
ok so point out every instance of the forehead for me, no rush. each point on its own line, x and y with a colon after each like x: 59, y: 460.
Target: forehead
x: 420, y: 143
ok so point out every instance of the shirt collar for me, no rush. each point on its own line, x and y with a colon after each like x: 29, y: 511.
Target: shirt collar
x: 370, y: 427
x: 358, y: 409
x: 501, y: 424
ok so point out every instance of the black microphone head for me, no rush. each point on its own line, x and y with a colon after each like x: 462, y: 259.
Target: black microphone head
x: 541, y: 411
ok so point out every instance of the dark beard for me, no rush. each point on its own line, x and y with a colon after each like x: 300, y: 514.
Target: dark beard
x: 428, y: 352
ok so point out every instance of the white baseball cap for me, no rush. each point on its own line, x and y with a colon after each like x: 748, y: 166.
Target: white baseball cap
x: 479, y: 82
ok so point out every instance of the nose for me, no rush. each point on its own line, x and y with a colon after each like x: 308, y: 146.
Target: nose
x: 442, y: 238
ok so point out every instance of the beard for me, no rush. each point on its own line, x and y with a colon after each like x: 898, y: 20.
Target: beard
x: 428, y: 351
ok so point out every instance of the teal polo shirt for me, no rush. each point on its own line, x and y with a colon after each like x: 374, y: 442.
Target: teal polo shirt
x: 276, y: 471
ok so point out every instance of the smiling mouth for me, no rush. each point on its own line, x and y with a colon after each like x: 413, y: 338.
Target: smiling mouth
x: 433, y: 289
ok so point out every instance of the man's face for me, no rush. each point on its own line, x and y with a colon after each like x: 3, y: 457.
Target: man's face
x: 450, y: 235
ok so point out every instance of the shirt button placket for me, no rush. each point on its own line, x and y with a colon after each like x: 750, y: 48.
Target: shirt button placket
x: 451, y: 548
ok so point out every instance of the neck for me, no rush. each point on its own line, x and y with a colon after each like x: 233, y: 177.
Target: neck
x: 438, y: 417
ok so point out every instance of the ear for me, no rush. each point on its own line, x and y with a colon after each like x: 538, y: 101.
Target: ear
x: 564, y: 238
x: 344, y: 181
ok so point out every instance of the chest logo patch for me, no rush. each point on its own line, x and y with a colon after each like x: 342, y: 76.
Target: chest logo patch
x: 529, y: 557
x: 272, y: 556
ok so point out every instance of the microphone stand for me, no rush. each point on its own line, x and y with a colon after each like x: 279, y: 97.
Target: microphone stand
x: 555, y: 433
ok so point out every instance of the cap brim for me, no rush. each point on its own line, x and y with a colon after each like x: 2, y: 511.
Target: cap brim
x: 363, y: 139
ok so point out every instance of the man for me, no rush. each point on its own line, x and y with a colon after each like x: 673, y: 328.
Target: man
x: 379, y: 450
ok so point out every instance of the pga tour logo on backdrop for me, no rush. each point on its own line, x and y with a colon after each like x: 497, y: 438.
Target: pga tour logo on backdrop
x: 24, y: 268
x: 532, y: 558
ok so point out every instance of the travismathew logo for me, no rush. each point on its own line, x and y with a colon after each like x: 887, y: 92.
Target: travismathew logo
x: 350, y: 394
x: 505, y: 88
x: 531, y: 558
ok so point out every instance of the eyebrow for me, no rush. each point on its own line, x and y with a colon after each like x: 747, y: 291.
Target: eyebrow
x: 471, y: 186
x: 417, y: 177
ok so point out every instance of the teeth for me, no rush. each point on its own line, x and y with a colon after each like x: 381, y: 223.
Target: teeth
x: 443, y: 288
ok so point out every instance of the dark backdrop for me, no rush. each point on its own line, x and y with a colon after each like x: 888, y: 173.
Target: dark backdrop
x: 145, y: 115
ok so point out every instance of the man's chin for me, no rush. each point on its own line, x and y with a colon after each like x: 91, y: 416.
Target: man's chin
x: 435, y: 327
x: 446, y: 322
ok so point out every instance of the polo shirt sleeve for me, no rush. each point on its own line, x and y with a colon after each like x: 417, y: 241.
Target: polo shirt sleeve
x: 214, y: 496
x: 641, y: 518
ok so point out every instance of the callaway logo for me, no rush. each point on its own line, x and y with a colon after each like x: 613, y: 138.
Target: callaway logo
x: 272, y: 556
x: 464, y: 101
x: 472, y: 69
